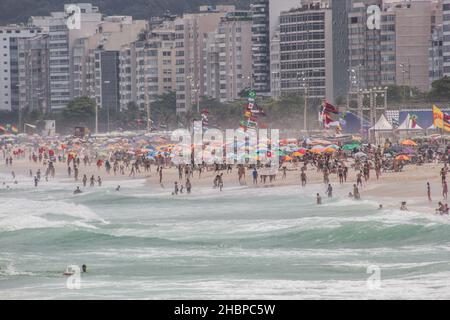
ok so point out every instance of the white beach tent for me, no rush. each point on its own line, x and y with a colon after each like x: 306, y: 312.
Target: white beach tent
x: 382, y: 124
x: 408, y: 124
x: 407, y: 130
x: 381, y: 130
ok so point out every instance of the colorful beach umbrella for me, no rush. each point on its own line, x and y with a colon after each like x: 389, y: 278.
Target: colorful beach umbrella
x: 408, y: 143
x: 402, y: 157
x: 351, y: 146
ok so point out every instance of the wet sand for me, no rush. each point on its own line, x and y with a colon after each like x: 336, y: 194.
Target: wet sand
x: 392, y: 188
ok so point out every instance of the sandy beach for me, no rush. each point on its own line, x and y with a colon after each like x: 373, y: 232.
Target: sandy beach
x: 390, y: 189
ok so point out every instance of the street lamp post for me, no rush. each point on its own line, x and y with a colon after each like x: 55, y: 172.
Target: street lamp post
x: 96, y: 118
x: 404, y: 66
x: 194, y: 88
x: 301, y: 76
x: 148, y: 117
x: 107, y: 111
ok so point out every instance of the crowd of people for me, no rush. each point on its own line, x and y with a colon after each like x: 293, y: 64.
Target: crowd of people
x: 365, y: 163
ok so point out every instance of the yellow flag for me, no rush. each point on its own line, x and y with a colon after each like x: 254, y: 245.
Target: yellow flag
x: 440, y: 120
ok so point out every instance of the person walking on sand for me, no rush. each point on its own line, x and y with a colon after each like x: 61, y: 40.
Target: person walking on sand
x: 429, y: 191
x: 160, y: 175
x: 303, y: 177
x: 341, y: 174
x: 444, y: 189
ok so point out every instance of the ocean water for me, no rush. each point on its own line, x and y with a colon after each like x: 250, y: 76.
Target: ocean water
x: 242, y: 243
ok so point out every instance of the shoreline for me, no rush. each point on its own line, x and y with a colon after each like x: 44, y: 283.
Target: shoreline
x: 408, y: 185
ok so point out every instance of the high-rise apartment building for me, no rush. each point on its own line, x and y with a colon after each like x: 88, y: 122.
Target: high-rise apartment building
x: 446, y: 37
x: 191, y: 30
x: 405, y: 50
x: 34, y: 81
x: 261, y: 46
x: 228, y: 57
x: 9, y: 63
x: 63, y: 86
x: 313, y: 52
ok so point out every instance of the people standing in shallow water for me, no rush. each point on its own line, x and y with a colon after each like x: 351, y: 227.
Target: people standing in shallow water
x: 84, y: 180
x: 403, y: 206
x: 356, y: 194
x: 188, y: 186
x: 319, y: 199
x: 92, y: 181
x: 255, y: 176
x: 330, y: 191
x: 220, y: 182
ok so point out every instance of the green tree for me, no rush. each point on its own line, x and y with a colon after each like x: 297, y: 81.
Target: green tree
x: 163, y: 110
x: 79, y: 111
x: 440, y: 89
x: 398, y: 94
x: 33, y: 116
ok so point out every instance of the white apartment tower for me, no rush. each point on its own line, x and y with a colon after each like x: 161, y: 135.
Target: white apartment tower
x: 228, y: 57
x: 9, y: 63
x: 190, y: 33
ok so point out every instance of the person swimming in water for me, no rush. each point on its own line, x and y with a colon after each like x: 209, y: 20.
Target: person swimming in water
x: 77, y: 191
x: 118, y: 188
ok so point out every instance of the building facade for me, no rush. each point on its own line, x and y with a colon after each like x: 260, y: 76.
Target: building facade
x: 191, y: 30
x: 261, y: 46
x: 34, y: 81
x: 9, y: 63
x: 228, y: 57
x: 313, y: 54
x: 405, y: 50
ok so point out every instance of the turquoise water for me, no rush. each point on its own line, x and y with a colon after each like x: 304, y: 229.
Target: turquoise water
x: 267, y: 243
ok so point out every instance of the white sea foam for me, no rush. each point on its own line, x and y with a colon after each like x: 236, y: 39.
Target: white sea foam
x: 17, y: 214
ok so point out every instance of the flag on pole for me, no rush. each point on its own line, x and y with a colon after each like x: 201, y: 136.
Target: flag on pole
x: 441, y: 119
x: 329, y: 115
